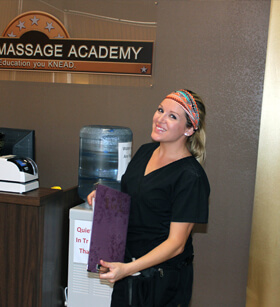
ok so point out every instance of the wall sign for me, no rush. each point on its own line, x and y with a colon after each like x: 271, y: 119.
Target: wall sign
x: 39, y: 41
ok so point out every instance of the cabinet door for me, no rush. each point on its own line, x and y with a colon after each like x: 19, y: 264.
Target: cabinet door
x: 20, y: 256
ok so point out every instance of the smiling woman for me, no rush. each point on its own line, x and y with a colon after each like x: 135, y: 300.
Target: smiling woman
x: 169, y: 193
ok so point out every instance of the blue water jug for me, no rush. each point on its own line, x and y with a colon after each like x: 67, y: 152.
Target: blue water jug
x: 105, y: 152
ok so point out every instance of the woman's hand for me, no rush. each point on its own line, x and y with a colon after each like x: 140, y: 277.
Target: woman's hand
x: 112, y: 271
x: 90, y: 197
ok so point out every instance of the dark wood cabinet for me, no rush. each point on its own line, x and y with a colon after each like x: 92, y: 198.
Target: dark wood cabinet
x: 34, y: 232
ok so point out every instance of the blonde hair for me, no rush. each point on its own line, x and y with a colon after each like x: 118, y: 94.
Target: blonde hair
x: 197, y: 141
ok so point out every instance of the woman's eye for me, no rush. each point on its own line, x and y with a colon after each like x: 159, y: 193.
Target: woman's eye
x: 160, y: 110
x: 173, y: 116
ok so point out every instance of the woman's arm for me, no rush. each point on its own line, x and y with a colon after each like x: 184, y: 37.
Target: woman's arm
x: 171, y: 247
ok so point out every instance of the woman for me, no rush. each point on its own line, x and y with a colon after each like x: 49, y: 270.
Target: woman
x: 169, y: 193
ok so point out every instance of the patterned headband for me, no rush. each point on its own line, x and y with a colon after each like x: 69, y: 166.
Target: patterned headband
x: 188, y: 103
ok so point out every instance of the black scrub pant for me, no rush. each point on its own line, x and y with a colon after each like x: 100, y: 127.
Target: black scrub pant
x: 168, y: 287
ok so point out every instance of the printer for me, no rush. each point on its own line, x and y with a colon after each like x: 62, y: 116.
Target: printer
x: 18, y: 174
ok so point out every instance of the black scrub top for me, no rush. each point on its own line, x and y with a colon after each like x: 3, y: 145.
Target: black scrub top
x: 177, y: 192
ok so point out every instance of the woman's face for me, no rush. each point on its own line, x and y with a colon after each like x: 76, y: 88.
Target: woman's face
x: 169, y: 122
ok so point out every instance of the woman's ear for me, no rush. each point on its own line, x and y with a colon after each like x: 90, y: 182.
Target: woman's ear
x: 189, y: 131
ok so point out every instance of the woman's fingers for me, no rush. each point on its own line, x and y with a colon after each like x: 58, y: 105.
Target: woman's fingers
x: 90, y: 197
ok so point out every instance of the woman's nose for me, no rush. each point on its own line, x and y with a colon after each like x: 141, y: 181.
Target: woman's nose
x: 162, y: 117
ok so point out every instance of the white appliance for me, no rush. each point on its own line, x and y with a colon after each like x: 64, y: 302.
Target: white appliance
x: 84, y: 288
x: 18, y: 174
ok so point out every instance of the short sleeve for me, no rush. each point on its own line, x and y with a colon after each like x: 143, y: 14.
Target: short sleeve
x: 191, y: 198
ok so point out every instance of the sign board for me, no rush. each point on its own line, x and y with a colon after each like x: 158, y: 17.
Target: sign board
x: 38, y: 41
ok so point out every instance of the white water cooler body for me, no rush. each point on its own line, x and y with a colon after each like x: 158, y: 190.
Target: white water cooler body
x: 84, y: 288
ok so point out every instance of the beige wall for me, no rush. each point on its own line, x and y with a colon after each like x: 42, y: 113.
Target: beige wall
x: 216, y: 48
x: 264, y: 266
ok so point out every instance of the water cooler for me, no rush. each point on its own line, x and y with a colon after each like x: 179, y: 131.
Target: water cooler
x: 105, y: 152
x: 84, y: 288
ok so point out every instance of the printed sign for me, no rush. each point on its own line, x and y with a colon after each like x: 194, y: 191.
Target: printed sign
x: 124, y: 157
x: 39, y: 41
x: 82, y: 234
